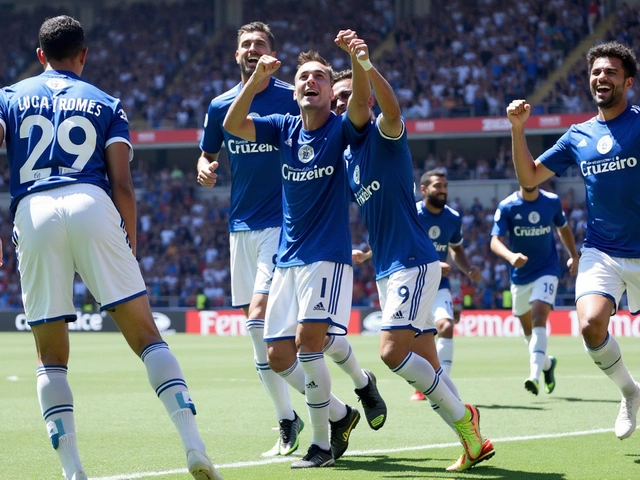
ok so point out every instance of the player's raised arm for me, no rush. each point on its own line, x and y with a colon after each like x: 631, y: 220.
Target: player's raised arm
x: 391, y: 117
x: 530, y: 172
x: 358, y: 106
x: 238, y: 122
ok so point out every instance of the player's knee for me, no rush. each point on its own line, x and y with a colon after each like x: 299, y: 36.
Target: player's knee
x: 593, y: 330
x: 391, y: 355
x: 280, y: 359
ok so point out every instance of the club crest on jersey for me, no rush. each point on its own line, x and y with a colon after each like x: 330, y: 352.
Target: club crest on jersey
x: 356, y: 175
x: 56, y: 83
x: 604, y: 144
x: 306, y: 153
x: 534, y: 217
x: 434, y: 232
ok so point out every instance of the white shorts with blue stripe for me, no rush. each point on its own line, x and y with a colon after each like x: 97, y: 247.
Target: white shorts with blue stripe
x: 318, y: 292
x: 407, y: 298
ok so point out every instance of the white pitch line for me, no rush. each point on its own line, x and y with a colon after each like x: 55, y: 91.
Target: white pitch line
x: 355, y: 453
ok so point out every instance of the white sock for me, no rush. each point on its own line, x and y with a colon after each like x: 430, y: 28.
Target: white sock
x: 318, y: 396
x: 56, y: 404
x: 547, y: 363
x: 445, y: 378
x: 168, y: 382
x: 419, y: 373
x: 608, y: 358
x: 273, y: 383
x: 444, y: 347
x: 527, y: 339
x: 340, y: 351
x: 537, y: 351
x: 294, y: 376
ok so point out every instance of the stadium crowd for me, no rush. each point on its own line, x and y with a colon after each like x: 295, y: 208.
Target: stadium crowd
x: 180, y: 61
x: 183, y: 249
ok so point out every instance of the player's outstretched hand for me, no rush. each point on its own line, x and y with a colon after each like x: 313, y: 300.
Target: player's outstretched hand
x: 207, y: 176
x: 344, y: 38
x: 518, y: 112
x: 519, y: 260
x: 267, y: 65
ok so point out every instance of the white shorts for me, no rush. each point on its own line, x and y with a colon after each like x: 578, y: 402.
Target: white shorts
x: 253, y: 260
x: 443, y: 305
x: 407, y: 296
x: 543, y: 289
x: 74, y: 228
x: 319, y: 292
x: 609, y: 276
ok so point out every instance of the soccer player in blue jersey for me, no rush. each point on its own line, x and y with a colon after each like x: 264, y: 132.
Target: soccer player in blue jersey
x: 444, y: 226
x: 311, y: 291
x: 255, y: 218
x: 408, y: 272
x: 255, y: 224
x: 75, y: 211
x: 605, y: 150
x: 527, y: 217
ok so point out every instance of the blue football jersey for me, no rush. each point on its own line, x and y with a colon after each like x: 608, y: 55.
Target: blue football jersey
x: 256, y: 187
x: 607, y: 156
x: 57, y: 127
x: 316, y: 196
x: 381, y: 178
x: 529, y: 225
x: 444, y: 229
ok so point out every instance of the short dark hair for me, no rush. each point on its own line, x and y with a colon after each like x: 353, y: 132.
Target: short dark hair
x: 258, y: 27
x: 61, y: 38
x: 342, y: 75
x: 314, y: 56
x: 436, y: 172
x: 614, y: 50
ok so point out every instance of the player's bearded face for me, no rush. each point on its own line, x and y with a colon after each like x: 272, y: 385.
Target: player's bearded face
x: 607, y: 82
x: 437, y: 199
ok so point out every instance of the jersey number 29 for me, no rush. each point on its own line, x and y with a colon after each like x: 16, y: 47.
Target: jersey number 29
x: 62, y: 137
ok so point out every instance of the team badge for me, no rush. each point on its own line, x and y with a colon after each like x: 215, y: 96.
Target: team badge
x: 356, y: 175
x: 56, y: 83
x: 604, y: 144
x: 306, y: 153
x: 434, y: 232
x: 534, y: 217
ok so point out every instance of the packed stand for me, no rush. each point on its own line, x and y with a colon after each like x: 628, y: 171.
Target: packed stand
x: 572, y: 93
x: 183, y: 249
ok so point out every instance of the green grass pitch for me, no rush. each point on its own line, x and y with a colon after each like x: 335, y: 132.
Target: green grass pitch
x: 124, y: 432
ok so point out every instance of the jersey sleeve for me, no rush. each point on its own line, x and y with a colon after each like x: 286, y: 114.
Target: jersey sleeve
x: 268, y: 128
x: 456, y: 236
x: 119, y: 129
x: 353, y: 137
x: 212, y: 133
x: 500, y: 223
x: 559, y: 157
x: 559, y: 219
